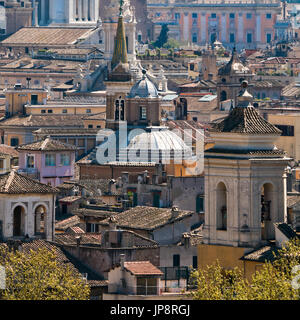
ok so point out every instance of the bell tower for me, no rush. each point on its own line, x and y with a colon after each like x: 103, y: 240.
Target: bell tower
x: 244, y: 188
x: 119, y: 78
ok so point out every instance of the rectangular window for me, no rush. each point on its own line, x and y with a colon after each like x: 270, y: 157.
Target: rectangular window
x: 92, y: 227
x: 43, y: 111
x: 194, y: 15
x: 34, y: 99
x: 30, y: 162
x: 65, y: 159
x: 177, y: 15
x: 143, y: 113
x: 192, y: 66
x: 231, y: 15
x: 194, y: 38
x: 195, y: 262
x: 249, y: 16
x: 232, y: 38
x: 287, y: 131
x: 14, y: 142
x: 268, y: 16
x: 269, y: 37
x: 90, y: 126
x: 65, y: 111
x: 176, y: 260
x: 249, y: 37
x: 50, y: 111
x: 213, y: 15
x: 88, y: 111
x: 50, y: 160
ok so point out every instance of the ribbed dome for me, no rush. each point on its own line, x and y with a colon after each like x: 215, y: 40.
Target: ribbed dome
x: 162, y: 143
x: 144, y: 88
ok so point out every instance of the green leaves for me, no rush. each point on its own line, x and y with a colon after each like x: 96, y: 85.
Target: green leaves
x: 272, y: 282
x: 38, y: 275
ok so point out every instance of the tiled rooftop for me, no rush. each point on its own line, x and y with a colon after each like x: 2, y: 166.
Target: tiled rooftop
x: 245, y: 120
x: 47, y: 36
x: 147, y: 218
x: 142, y: 268
x: 15, y: 183
x: 47, y: 144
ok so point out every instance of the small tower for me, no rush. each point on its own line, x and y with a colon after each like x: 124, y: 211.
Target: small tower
x: 230, y: 78
x: 243, y: 178
x: 209, y: 65
x: 119, y: 78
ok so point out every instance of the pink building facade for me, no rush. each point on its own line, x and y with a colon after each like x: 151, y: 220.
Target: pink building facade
x: 49, y: 161
x: 240, y: 23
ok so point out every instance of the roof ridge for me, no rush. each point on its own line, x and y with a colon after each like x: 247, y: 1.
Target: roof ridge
x: 44, y: 143
x: 9, y: 180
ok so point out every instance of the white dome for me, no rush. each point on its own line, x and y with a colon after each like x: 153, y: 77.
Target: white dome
x: 163, y: 145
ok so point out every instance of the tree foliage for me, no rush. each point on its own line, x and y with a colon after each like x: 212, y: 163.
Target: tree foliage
x: 37, y: 275
x: 172, y: 44
x: 272, y: 282
x: 163, y: 37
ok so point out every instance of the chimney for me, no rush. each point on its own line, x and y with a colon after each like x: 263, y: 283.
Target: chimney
x: 78, y: 240
x: 186, y: 240
x: 112, y: 223
x: 155, y: 179
x: 175, y: 212
x: 122, y: 261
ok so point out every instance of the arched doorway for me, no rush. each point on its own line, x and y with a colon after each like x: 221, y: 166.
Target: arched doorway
x: 267, y: 215
x: 40, y: 219
x: 223, y: 96
x: 221, y: 206
x: 18, y: 221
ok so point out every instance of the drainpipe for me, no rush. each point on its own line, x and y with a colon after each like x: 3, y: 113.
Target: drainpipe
x: 285, y: 220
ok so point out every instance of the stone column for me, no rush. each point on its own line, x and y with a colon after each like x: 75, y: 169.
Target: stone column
x: 203, y: 27
x: 186, y: 28
x: 258, y: 28
x: 79, y: 10
x: 240, y: 28
x: 85, y: 10
x: 223, y: 27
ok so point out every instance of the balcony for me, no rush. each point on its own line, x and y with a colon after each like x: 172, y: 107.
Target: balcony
x: 32, y: 173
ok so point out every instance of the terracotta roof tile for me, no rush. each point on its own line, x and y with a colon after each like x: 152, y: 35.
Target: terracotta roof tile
x: 85, y: 239
x: 148, y: 218
x: 142, y: 268
x: 47, y: 144
x: 48, y: 36
x: 67, y: 223
x: 5, y: 149
x: 15, y: 183
x: 245, y: 120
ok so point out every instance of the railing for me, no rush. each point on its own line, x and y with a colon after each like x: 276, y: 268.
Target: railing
x: 134, y: 290
x: 30, y: 172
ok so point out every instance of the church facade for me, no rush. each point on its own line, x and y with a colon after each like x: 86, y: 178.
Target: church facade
x: 83, y: 12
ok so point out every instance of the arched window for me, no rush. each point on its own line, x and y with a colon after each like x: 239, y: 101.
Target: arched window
x: 267, y: 215
x: 223, y: 96
x: 18, y: 221
x: 200, y: 203
x: 40, y: 225
x: 120, y: 109
x: 221, y: 206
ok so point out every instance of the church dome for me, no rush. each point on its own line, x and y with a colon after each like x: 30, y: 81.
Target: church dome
x: 144, y: 88
x: 162, y: 143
